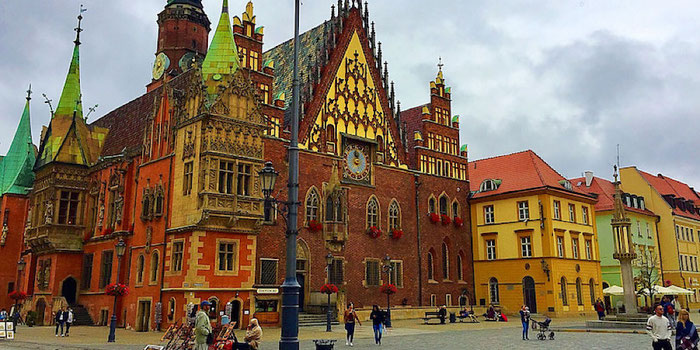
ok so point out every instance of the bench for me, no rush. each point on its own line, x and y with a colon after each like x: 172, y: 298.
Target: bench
x: 431, y: 315
x: 470, y: 317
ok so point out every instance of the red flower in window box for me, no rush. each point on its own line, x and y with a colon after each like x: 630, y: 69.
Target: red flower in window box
x: 118, y: 290
x: 329, y: 288
x: 107, y: 231
x: 15, y: 295
x: 388, y: 288
x: 434, y: 218
x: 374, y: 231
x: 445, y: 219
x: 315, y: 226
x: 396, y: 233
x: 458, y: 222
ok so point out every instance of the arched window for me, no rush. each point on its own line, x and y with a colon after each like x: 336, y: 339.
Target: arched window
x: 380, y: 144
x: 443, y: 206
x: 579, y: 295
x: 171, y: 309
x: 430, y: 267
x: 312, y: 205
x: 394, y: 215
x: 372, y: 212
x: 564, y: 297
x: 431, y: 205
x: 155, y: 262
x: 139, y: 269
x: 455, y: 209
x: 493, y: 290
x: 339, y: 209
x: 460, y: 268
x: 330, y: 209
x: 214, y: 310
x: 445, y: 261
x: 591, y: 290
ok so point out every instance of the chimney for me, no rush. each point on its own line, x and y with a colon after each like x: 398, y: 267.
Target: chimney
x: 589, y: 178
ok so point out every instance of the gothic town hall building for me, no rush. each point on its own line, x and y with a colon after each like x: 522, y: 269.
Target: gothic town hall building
x: 174, y: 174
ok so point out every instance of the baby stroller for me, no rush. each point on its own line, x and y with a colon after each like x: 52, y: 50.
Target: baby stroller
x: 543, y: 328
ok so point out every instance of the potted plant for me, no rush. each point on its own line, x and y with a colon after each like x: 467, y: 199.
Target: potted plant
x: 396, y: 233
x: 118, y: 290
x: 374, y: 231
x: 445, y: 219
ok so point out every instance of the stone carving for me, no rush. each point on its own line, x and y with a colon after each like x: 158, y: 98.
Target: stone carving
x: 3, y: 238
x: 48, y: 214
x: 118, y: 208
x: 101, y: 215
x: 149, y: 238
x: 28, y: 224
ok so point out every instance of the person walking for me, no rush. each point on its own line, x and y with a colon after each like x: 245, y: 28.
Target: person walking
x: 377, y: 317
x: 659, y: 328
x: 253, y: 334
x: 600, y: 309
x: 671, y: 312
x: 525, y: 319
x: 69, y: 320
x: 443, y: 314
x: 350, y: 317
x: 60, y: 320
x: 202, y: 327
x: 686, y: 333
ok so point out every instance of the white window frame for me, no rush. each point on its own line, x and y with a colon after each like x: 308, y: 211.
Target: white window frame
x: 560, y: 246
x: 557, y: 210
x: 574, y: 247
x: 523, y: 210
x: 589, y: 250
x: 489, y: 215
x: 490, y: 249
x: 526, y: 246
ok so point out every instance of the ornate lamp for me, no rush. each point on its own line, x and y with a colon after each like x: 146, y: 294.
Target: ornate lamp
x: 21, y: 264
x: 268, y: 177
x: 120, y: 248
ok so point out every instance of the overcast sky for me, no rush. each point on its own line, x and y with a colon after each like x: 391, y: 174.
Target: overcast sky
x: 568, y: 79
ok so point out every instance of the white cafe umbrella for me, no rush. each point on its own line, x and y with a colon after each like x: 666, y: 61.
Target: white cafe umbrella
x: 679, y: 291
x: 614, y: 290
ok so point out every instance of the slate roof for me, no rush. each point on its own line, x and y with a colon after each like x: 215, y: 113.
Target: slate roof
x: 16, y: 175
x: 310, y: 50
x: 665, y: 185
x: 606, y: 191
x: 518, y: 172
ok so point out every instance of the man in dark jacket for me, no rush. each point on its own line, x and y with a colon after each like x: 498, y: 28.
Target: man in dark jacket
x: 60, y: 320
x: 443, y: 314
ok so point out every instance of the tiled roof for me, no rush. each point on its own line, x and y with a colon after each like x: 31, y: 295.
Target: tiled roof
x: 606, y: 191
x: 16, y: 174
x: 310, y: 49
x: 516, y: 172
x: 665, y: 185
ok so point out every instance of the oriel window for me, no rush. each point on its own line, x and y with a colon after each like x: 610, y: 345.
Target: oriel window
x: 68, y: 208
x: 243, y: 180
x: 226, y: 177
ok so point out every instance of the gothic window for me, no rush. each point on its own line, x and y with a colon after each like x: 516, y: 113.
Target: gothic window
x: 431, y: 266
x: 159, y: 199
x: 493, y: 290
x: 146, y: 204
x: 445, y: 261
x: 139, y: 269
x: 431, y: 205
x: 226, y: 177
x: 187, y: 179
x: 579, y: 294
x: 460, y: 267
x: 68, y: 208
x: 564, y: 297
x: 244, y: 178
x: 444, y: 209
x: 455, y: 208
x: 312, y: 205
x: 334, y: 209
x: 155, y: 263
x: 394, y: 215
x: 106, y: 268
x: 372, y: 212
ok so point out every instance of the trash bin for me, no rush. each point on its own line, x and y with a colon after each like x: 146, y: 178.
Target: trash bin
x: 453, y: 317
x: 324, y: 344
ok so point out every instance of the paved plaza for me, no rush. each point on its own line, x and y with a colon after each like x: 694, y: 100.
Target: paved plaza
x: 406, y: 335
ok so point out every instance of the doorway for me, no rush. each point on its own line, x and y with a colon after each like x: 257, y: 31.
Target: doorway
x: 236, y: 313
x: 69, y: 290
x: 143, y: 316
x: 529, y: 294
x: 301, y: 280
x: 40, y: 311
x: 606, y: 299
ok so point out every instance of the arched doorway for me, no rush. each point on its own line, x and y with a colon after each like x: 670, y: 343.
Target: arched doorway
x: 69, y: 290
x: 40, y: 311
x: 529, y: 294
x: 606, y: 299
x: 302, y: 272
x: 236, y: 312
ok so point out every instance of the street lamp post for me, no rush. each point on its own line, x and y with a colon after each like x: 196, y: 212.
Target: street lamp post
x: 329, y: 315
x: 388, y: 269
x: 120, y: 249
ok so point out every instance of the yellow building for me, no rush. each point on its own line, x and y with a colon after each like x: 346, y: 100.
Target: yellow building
x: 534, y: 237
x: 678, y: 208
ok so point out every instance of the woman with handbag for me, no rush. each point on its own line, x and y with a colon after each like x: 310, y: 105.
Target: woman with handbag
x: 686, y: 333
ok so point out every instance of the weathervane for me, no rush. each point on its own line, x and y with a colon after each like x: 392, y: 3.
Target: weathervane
x: 440, y: 64
x: 48, y: 102
x: 91, y: 109
x: 29, y: 93
x: 79, y: 29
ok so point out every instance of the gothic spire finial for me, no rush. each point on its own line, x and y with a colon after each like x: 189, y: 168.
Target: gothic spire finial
x: 440, y: 64
x: 79, y: 29
x: 29, y: 92
x: 332, y: 11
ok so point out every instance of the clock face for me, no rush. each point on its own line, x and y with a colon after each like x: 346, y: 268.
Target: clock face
x: 160, y: 65
x: 356, y: 163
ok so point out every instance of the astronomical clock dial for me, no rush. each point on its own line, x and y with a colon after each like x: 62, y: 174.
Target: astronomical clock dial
x: 187, y: 60
x: 357, y: 163
x: 160, y: 65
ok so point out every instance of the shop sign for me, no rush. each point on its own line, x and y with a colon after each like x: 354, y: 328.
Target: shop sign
x: 268, y: 290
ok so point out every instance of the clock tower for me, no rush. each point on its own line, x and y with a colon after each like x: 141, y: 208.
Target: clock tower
x: 183, y: 32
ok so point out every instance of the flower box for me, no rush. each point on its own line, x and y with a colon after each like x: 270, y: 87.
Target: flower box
x: 396, y: 233
x: 458, y: 222
x: 118, y: 290
x: 374, y: 231
x: 445, y: 219
x: 315, y: 226
x: 434, y: 218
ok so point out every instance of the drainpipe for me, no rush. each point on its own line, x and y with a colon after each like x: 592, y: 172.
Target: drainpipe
x: 417, y: 184
x: 658, y: 242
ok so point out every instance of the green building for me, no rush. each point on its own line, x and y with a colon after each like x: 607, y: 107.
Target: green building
x: 643, y: 232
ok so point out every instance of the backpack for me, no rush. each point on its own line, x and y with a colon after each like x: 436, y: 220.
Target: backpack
x: 670, y: 309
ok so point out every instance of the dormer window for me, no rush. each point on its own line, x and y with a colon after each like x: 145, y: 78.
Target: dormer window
x: 566, y: 184
x: 489, y: 185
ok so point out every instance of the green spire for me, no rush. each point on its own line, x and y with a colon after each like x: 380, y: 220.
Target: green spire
x: 71, y: 97
x: 16, y: 174
x: 222, y: 56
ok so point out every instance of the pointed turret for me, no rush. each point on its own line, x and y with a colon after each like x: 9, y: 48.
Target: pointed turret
x: 16, y: 174
x: 222, y: 57
x: 71, y: 97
